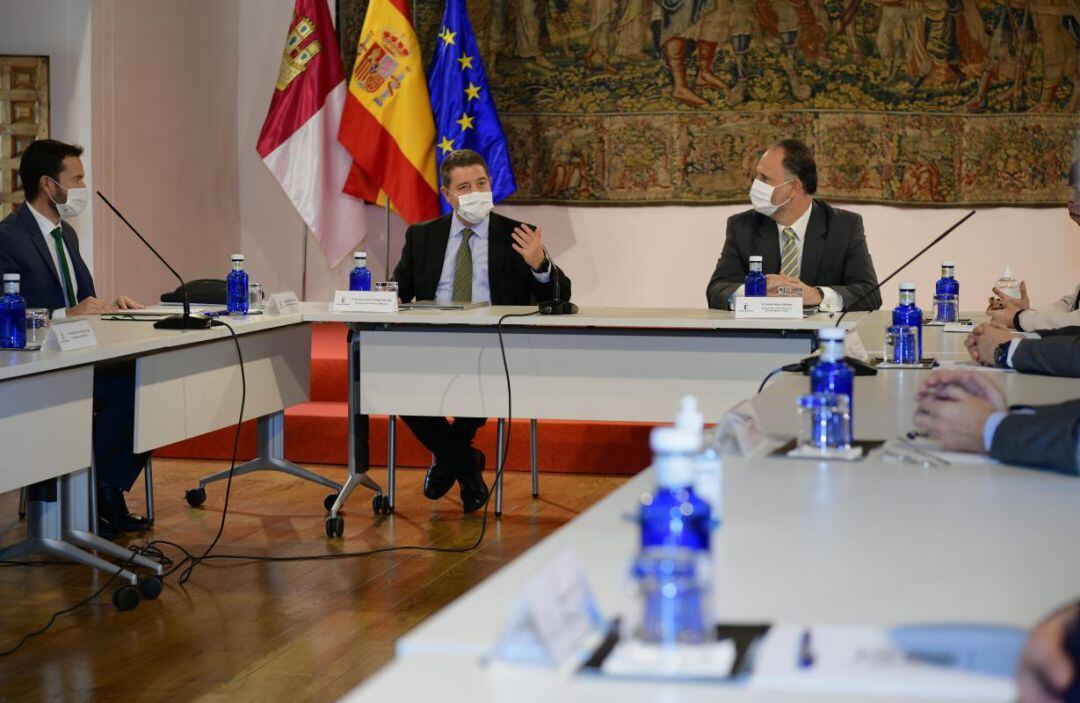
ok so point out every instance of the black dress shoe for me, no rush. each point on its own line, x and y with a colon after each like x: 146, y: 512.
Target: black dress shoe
x: 439, y: 480
x: 113, y: 510
x: 106, y: 531
x: 474, y: 492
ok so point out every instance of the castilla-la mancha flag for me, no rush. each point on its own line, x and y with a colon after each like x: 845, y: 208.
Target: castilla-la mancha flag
x: 298, y: 142
x: 387, y: 124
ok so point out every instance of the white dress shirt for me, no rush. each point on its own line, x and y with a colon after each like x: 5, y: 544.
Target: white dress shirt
x: 47, y: 227
x: 830, y: 300
x: 481, y: 284
x: 1063, y: 312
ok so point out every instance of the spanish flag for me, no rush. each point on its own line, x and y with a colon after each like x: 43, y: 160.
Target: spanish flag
x: 387, y: 124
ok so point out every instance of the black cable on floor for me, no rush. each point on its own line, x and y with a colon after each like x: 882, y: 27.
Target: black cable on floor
x: 418, y: 548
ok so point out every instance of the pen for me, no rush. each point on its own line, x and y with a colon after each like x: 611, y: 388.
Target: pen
x: 806, y: 652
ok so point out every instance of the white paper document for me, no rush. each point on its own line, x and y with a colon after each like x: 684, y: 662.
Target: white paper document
x: 953, y: 662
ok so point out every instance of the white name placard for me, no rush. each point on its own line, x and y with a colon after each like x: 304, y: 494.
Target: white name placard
x: 67, y: 335
x: 364, y: 301
x: 750, y: 308
x: 551, y: 617
x: 283, y: 303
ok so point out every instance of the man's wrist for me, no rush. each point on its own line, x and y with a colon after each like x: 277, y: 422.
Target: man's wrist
x: 544, y: 267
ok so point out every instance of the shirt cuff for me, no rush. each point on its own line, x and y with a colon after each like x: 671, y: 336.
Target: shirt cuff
x: 1012, y: 350
x: 59, y: 313
x: 991, y: 426
x: 544, y: 276
x: 830, y: 301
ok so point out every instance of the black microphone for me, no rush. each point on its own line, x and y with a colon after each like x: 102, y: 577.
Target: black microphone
x: 173, y: 322
x: 557, y: 306
x: 861, y: 367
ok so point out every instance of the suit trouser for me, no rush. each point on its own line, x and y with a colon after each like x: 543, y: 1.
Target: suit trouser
x: 114, y: 426
x: 451, y: 443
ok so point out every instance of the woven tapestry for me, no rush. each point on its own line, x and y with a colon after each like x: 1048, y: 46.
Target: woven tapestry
x: 943, y: 102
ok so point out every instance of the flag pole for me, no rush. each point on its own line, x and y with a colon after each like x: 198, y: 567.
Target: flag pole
x: 387, y: 278
x: 304, y: 274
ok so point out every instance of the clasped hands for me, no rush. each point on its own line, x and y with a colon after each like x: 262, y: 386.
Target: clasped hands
x: 774, y: 282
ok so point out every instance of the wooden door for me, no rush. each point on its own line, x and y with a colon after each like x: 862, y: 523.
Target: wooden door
x: 24, y: 117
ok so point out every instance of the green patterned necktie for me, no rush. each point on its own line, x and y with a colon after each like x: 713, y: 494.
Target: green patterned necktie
x: 463, y: 269
x: 789, y: 257
x: 65, y: 276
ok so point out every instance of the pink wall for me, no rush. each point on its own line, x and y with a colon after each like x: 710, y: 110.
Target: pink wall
x: 164, y: 100
x: 181, y: 90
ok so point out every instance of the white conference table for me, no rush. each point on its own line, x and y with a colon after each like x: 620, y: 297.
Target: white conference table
x: 803, y: 542
x: 187, y: 383
x: 602, y: 364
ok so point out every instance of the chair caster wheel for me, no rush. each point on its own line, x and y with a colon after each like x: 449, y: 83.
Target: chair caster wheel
x: 328, y: 501
x: 381, y: 504
x: 126, y: 598
x: 150, y: 587
x: 335, y: 526
x: 195, y: 497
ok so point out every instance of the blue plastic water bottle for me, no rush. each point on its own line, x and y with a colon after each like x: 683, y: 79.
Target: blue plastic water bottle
x: 360, y: 276
x: 947, y: 294
x: 832, y: 374
x: 674, y: 516
x: 907, y: 313
x: 755, y: 280
x: 12, y: 314
x: 672, y: 568
x: 237, y: 287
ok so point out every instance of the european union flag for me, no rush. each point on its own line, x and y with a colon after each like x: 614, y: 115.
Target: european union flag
x: 461, y: 101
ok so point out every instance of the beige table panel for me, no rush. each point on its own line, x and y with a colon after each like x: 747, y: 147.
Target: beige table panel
x: 45, y: 426
x: 187, y: 392
x: 564, y: 374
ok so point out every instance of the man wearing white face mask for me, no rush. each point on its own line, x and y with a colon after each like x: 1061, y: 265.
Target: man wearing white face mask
x: 38, y: 244
x: 805, y: 243
x: 470, y: 256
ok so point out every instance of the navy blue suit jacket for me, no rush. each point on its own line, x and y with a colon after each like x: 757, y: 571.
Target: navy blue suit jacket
x: 23, y: 251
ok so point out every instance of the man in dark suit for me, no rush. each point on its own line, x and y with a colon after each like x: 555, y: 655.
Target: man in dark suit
x: 36, y: 243
x: 1055, y: 352
x: 967, y: 412
x: 470, y: 256
x: 806, y: 244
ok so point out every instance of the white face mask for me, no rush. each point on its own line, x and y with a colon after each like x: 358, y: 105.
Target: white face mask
x: 475, y: 207
x: 761, y: 197
x: 77, y: 200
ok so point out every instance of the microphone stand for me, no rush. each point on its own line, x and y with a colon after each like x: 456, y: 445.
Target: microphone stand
x: 186, y: 321
x: 558, y: 306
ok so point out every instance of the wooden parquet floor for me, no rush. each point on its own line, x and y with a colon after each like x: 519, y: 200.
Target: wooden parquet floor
x: 244, y: 631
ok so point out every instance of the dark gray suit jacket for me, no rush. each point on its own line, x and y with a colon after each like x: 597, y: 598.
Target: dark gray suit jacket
x: 834, y: 255
x: 1057, y: 355
x: 1045, y: 438
x: 510, y: 278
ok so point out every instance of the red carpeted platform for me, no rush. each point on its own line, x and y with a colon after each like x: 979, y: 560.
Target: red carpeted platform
x: 316, y: 431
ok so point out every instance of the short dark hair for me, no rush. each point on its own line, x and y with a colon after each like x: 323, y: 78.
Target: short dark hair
x: 460, y: 159
x: 44, y: 157
x: 799, y: 162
